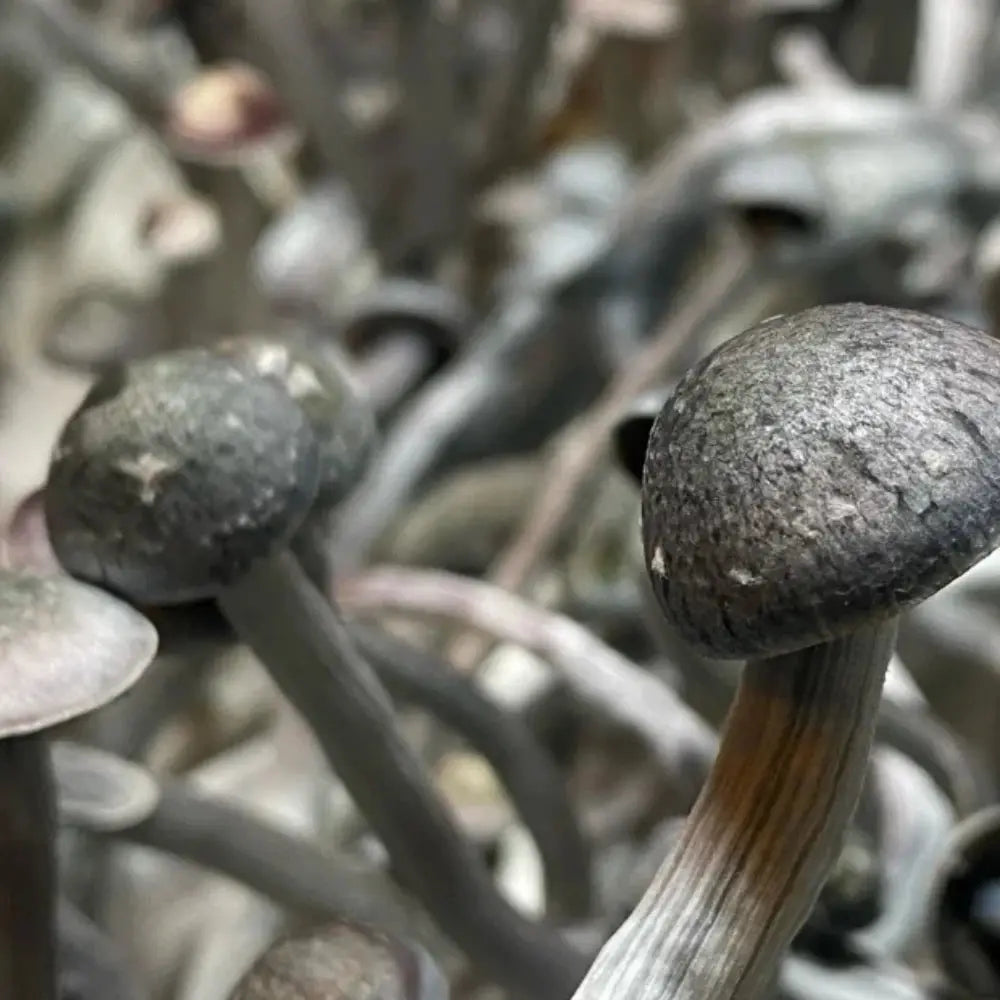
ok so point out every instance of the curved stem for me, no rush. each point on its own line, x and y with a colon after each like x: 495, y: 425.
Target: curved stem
x: 27, y: 870
x: 535, y: 784
x: 288, y: 869
x: 937, y: 750
x: 763, y: 834
x: 594, y: 672
x: 300, y: 637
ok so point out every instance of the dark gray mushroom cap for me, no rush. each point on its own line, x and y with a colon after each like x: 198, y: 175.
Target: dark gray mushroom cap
x: 820, y: 471
x: 100, y: 791
x: 344, y: 425
x: 343, y: 961
x: 65, y: 650
x: 176, y: 474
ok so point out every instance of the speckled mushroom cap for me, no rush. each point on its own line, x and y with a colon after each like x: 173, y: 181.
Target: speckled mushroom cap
x: 343, y: 961
x: 344, y: 425
x: 175, y: 475
x: 65, y: 650
x: 820, y: 471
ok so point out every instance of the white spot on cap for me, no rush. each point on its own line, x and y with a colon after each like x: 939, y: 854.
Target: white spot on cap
x: 657, y: 564
x: 302, y: 381
x: 744, y: 577
x: 147, y: 469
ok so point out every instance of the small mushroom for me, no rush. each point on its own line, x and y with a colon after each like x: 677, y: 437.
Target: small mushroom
x: 807, y: 481
x: 99, y: 790
x: 65, y: 650
x: 310, y: 371
x: 400, y: 332
x: 226, y: 115
x: 345, y: 961
x: 965, y: 908
x: 183, y: 478
x: 230, y: 116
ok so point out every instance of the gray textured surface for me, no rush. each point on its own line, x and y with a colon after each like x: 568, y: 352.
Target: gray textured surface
x: 173, y: 477
x: 819, y: 470
x: 343, y: 962
x: 344, y: 425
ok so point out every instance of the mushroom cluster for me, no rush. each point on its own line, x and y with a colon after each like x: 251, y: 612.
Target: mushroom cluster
x: 499, y: 500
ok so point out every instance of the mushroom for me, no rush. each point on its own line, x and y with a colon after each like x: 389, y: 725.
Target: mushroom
x: 230, y: 116
x: 905, y: 722
x: 807, y: 481
x: 183, y: 479
x: 965, y: 905
x: 343, y: 960
x: 309, y: 369
x: 401, y: 331
x: 66, y: 649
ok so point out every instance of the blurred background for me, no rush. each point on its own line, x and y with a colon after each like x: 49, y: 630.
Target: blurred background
x: 515, y: 224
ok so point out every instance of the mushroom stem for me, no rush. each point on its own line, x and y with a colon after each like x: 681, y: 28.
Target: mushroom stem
x: 27, y: 870
x: 762, y: 835
x: 530, y: 776
x: 305, y: 645
x: 229, y: 840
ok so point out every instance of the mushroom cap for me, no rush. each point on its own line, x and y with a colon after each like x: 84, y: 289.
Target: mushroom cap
x: 226, y: 115
x: 343, y: 961
x: 630, y: 435
x: 396, y: 305
x: 821, y: 471
x: 776, y: 184
x: 309, y: 370
x: 175, y: 474
x: 65, y: 649
x: 100, y: 791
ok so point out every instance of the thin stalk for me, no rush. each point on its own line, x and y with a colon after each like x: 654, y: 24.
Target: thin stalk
x: 762, y: 836
x: 27, y: 870
x: 428, y: 45
x: 594, y: 672
x: 301, y: 639
x: 530, y: 776
x: 311, y: 88
x: 228, y: 840
x: 509, y: 122
x: 732, y: 280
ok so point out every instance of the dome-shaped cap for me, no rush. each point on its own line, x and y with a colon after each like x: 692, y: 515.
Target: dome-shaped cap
x: 65, y: 650
x: 343, y: 961
x: 175, y: 474
x: 309, y: 370
x: 819, y: 471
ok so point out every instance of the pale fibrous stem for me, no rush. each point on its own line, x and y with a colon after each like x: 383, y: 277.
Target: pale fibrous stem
x: 763, y: 834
